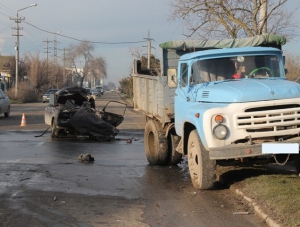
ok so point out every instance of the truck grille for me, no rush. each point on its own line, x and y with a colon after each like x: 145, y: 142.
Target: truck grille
x: 269, y: 118
x: 205, y: 94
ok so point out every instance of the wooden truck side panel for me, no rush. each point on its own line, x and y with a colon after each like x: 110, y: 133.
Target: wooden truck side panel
x: 153, y: 97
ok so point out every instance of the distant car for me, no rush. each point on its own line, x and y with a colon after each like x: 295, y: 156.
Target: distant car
x: 88, y: 90
x: 72, y: 112
x: 100, y: 90
x: 4, y: 104
x: 90, y: 93
x: 46, y: 96
x: 94, y: 93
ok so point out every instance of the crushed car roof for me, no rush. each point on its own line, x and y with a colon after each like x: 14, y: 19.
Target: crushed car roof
x: 78, y: 94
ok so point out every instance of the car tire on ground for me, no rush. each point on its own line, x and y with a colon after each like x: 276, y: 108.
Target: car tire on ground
x: 202, y: 169
x: 6, y: 114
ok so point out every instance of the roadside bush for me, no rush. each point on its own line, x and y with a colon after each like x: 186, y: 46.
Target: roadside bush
x: 26, y: 93
x: 126, y: 86
x: 293, y: 66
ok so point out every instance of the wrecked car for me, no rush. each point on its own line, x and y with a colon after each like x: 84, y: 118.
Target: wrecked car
x: 72, y: 112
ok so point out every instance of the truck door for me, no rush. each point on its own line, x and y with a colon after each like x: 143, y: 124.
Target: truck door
x: 181, y: 96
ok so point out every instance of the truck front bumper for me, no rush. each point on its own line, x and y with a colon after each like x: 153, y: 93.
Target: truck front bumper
x: 234, y: 151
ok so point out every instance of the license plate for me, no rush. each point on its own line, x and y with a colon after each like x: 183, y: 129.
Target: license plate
x: 280, y: 148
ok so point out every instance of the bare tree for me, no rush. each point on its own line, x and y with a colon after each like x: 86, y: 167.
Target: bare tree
x: 293, y: 67
x: 93, y: 68
x: 36, y: 69
x: 40, y: 74
x: 233, y: 18
x: 55, y: 76
x: 137, y: 52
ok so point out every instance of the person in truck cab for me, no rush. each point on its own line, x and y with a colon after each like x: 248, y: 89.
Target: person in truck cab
x: 240, y: 69
x: 210, y: 70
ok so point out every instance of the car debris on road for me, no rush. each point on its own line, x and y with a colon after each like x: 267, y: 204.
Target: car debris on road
x: 86, y: 158
x: 72, y: 112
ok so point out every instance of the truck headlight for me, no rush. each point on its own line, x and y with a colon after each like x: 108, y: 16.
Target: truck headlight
x: 220, y: 131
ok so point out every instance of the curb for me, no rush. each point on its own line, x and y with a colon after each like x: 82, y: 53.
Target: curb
x: 127, y: 100
x: 257, y: 210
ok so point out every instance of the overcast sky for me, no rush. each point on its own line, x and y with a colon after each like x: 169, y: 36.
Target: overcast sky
x: 126, y: 22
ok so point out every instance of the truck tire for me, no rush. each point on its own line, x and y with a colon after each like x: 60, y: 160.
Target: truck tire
x: 202, y: 169
x: 297, y: 163
x: 156, y: 145
x: 173, y: 156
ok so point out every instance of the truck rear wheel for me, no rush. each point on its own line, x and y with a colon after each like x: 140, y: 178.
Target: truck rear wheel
x: 173, y: 156
x: 202, y: 169
x: 156, y: 145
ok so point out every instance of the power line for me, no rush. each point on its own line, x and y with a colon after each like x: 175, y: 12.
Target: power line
x: 7, y: 9
x: 80, y: 40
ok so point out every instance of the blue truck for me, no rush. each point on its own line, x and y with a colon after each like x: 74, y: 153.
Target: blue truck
x: 219, y: 102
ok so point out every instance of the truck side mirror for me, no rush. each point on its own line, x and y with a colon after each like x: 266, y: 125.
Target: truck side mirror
x: 172, y: 78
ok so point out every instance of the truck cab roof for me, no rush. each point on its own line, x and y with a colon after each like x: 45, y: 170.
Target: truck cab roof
x: 230, y: 51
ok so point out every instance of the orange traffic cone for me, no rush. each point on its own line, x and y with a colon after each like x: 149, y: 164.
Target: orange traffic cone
x: 23, y: 122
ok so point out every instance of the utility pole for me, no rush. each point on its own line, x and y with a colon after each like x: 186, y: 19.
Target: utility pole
x: 17, y: 46
x: 47, y: 52
x: 55, y: 47
x: 64, y: 65
x: 148, y: 49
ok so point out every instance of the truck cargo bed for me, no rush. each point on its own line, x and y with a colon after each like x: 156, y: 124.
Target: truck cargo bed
x: 153, y: 97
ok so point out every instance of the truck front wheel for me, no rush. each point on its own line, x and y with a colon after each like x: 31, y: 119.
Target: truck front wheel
x: 156, y: 145
x: 202, y: 169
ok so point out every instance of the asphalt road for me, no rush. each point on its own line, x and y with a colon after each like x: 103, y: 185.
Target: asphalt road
x: 42, y: 183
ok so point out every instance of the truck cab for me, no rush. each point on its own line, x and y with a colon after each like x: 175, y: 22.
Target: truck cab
x: 241, y: 75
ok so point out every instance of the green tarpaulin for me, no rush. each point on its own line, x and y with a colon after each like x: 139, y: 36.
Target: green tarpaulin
x: 258, y: 40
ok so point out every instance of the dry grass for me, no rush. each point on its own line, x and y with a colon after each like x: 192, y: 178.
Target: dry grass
x: 277, y: 191
x: 26, y: 93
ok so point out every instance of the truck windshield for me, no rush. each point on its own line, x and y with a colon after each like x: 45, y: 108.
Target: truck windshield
x: 237, y: 67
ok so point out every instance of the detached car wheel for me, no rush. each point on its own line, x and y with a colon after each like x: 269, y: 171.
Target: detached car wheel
x: 54, y: 130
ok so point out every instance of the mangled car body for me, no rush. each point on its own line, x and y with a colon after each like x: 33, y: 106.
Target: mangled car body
x: 72, y: 112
